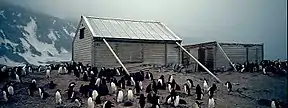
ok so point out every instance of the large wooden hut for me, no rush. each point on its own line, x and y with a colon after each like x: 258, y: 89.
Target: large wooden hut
x: 109, y: 42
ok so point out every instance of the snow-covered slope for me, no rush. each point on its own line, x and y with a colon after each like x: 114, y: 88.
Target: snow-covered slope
x: 31, y: 37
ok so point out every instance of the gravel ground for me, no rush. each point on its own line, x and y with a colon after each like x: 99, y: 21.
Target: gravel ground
x: 247, y: 89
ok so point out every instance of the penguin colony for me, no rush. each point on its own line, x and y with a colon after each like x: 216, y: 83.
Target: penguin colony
x: 126, y: 89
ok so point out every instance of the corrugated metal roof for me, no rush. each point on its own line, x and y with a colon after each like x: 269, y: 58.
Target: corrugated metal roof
x: 130, y: 29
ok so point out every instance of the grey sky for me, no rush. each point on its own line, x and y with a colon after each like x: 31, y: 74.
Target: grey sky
x: 244, y: 21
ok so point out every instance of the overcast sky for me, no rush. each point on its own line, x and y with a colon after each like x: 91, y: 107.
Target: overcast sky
x: 244, y: 21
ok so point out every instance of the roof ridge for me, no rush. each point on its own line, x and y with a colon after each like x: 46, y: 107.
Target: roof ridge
x: 122, y: 19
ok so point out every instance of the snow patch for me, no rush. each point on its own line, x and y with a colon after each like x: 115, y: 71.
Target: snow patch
x: 19, y: 14
x: 13, y: 13
x: 54, y: 21
x: 63, y: 50
x: 5, y: 60
x: 52, y: 36
x: 2, y: 14
x: 5, y: 41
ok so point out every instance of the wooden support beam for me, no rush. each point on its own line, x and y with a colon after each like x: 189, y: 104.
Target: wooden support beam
x: 199, y: 62
x: 116, y: 57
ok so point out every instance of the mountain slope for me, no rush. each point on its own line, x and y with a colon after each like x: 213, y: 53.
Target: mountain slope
x: 31, y: 37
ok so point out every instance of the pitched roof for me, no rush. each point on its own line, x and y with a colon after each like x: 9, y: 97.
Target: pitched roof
x: 129, y: 29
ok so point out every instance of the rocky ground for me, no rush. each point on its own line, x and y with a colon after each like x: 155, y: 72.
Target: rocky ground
x: 248, y: 88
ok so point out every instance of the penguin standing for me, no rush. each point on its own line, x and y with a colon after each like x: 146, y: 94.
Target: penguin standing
x: 190, y: 83
x: 10, y: 90
x: 94, y: 95
x: 229, y: 86
x: 42, y: 93
x: 113, y: 87
x: 78, y: 101
x: 58, y: 97
x: 132, y: 80
x: 90, y: 102
x: 120, y: 96
x: 48, y: 73
x: 212, y: 90
x: 130, y: 94
x: 32, y: 87
x: 176, y: 101
x: 170, y: 79
x: 5, y: 95
x: 17, y: 78
x: 52, y: 85
x: 205, y: 85
x: 186, y: 89
x: 199, y: 93
x: 275, y: 104
x: 211, y: 102
x: 108, y: 104
x: 197, y: 104
x: 264, y: 71
x: 142, y: 101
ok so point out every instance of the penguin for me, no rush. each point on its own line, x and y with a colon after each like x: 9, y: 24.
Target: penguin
x: 98, y: 82
x: 90, y: 102
x: 264, y: 71
x: 60, y: 70
x: 5, y: 95
x: 141, y: 85
x: 169, y: 87
x: 130, y: 94
x: 32, y: 87
x: 137, y: 87
x: 117, y: 71
x: 44, y: 94
x: 142, y: 101
x: 94, y: 95
x: 190, y: 83
x: 58, y: 97
x: 205, y: 85
x: 199, y: 93
x: 176, y: 101
x: 40, y: 90
x: 24, y: 70
x: 275, y: 104
x: 149, y: 76
x: 168, y: 100
x: 186, y: 89
x: 48, y: 73
x: 170, y: 78
x: 243, y: 68
x: 108, y: 104
x: 17, y: 78
x: 113, y: 87
x: 120, y: 96
x: 98, y: 99
x: 229, y: 86
x: 197, y: 104
x: 78, y: 101
x: 150, y: 97
x: 133, y: 81
x: 212, y: 90
x: 211, y: 102
x: 52, y: 85
x: 85, y: 76
x: 10, y: 90
x: 148, y: 88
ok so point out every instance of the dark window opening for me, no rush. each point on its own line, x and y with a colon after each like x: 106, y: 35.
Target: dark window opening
x: 81, y: 33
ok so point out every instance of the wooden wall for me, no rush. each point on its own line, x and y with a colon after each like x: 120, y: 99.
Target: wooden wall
x: 82, y: 47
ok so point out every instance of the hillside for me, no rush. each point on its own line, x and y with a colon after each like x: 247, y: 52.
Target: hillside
x: 30, y: 37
